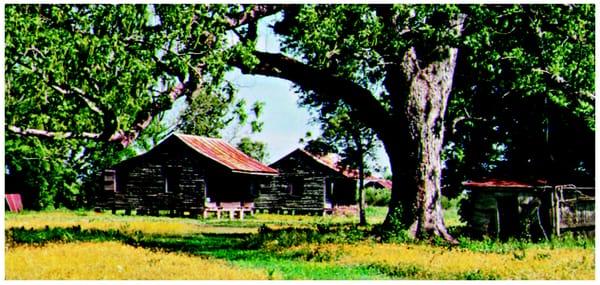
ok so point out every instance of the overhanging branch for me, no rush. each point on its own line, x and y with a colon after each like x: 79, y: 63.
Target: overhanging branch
x: 123, y: 137
x: 361, y: 100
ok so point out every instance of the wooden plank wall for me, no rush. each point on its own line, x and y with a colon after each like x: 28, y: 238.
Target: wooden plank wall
x: 576, y: 209
x: 141, y: 185
x: 275, y: 194
x: 508, y: 213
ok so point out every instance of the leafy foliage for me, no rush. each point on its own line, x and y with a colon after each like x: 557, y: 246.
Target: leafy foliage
x: 255, y: 149
x: 524, y: 95
x: 80, y: 76
x: 377, y: 197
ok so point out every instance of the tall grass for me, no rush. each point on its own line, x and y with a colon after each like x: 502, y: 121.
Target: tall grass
x: 115, y: 261
x: 268, y: 246
x: 431, y: 262
x: 130, y: 224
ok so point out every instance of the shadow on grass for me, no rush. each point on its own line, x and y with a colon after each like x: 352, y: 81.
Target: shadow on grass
x: 271, y: 249
x: 244, y: 250
x: 176, y: 243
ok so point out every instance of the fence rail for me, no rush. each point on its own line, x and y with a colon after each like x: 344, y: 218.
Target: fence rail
x: 573, y: 208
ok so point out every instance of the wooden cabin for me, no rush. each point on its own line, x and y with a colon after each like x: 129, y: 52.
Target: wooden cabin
x: 186, y: 174
x: 309, y: 184
x: 504, y: 209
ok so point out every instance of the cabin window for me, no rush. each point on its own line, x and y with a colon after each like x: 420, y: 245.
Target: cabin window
x: 254, y: 189
x: 295, y: 187
x: 328, y: 190
x: 110, y: 180
x: 171, y: 180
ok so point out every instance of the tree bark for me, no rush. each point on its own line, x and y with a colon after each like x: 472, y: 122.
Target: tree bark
x: 417, y: 169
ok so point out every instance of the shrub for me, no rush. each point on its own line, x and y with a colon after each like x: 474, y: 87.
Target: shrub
x: 377, y: 197
x: 268, y: 238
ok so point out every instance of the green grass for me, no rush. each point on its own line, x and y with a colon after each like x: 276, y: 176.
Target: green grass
x: 278, y: 244
x: 296, y: 269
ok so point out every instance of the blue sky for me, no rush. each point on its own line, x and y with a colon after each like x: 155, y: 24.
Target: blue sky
x: 285, y: 123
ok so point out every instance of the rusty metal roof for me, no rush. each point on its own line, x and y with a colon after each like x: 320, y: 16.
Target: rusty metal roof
x: 499, y: 183
x: 225, y: 154
x: 332, y: 161
x: 387, y: 184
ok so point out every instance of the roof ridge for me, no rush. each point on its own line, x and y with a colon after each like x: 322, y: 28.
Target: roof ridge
x: 342, y: 170
x: 224, y: 153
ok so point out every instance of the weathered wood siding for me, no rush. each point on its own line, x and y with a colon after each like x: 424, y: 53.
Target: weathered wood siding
x: 141, y: 182
x: 531, y: 212
x: 277, y: 196
x: 297, y: 168
x: 574, y: 209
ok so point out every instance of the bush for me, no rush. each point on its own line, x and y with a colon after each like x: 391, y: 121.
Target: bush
x: 268, y: 238
x: 377, y: 197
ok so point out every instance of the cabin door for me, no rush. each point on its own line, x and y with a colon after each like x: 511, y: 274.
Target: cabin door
x: 110, y: 180
x: 328, y: 192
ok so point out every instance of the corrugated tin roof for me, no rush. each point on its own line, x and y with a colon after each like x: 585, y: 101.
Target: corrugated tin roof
x: 332, y: 161
x: 225, y: 154
x: 500, y: 183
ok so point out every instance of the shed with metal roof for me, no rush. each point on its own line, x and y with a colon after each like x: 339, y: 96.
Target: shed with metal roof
x: 504, y: 208
x: 186, y: 174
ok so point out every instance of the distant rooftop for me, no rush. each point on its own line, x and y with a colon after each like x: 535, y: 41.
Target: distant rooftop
x: 502, y: 183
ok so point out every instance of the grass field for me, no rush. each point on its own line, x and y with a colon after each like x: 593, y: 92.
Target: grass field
x: 62, y: 244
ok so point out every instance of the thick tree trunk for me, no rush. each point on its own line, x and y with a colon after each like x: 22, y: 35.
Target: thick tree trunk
x: 417, y: 169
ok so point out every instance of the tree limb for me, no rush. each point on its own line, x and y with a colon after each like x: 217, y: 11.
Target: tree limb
x: 360, y: 99
x: 50, y: 134
x: 124, y: 137
x: 144, y: 117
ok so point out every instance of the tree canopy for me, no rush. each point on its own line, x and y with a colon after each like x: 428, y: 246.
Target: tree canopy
x: 394, y: 66
x: 85, y: 81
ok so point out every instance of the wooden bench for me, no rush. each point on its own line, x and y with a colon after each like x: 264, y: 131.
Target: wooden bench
x: 232, y: 208
x: 248, y: 207
x: 211, y: 207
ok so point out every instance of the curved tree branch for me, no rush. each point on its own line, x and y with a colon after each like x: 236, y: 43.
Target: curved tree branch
x: 149, y: 112
x: 360, y: 99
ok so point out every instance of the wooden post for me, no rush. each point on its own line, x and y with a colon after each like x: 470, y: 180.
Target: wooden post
x: 553, y: 211
x: 557, y: 189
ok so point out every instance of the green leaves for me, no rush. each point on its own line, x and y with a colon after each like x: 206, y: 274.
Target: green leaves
x: 255, y: 149
x: 102, y: 69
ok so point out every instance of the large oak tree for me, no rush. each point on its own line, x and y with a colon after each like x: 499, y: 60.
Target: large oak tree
x: 395, y: 65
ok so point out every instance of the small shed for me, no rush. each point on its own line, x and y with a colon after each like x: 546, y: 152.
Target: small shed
x: 508, y: 208
x: 186, y: 174
x: 309, y: 184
